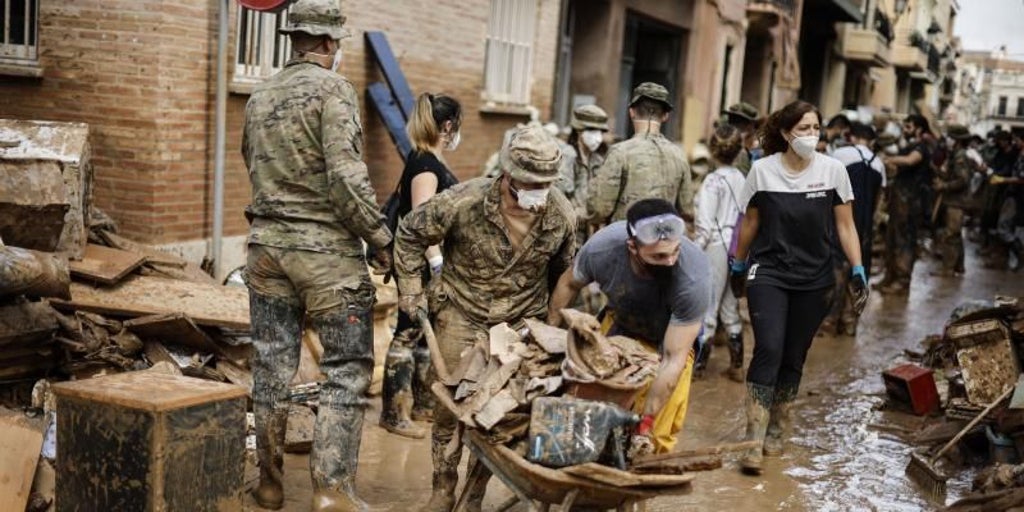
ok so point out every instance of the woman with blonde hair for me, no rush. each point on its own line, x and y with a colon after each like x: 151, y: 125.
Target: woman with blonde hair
x: 718, y: 210
x: 433, y: 129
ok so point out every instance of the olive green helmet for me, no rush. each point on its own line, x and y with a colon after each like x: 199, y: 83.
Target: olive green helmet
x: 316, y: 18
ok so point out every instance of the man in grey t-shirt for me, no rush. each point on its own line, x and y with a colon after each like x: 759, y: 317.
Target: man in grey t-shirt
x: 658, y: 287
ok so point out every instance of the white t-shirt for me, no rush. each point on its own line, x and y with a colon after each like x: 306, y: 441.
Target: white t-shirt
x: 793, y: 246
x: 849, y: 154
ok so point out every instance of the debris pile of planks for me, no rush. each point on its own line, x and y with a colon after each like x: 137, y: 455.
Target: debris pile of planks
x: 973, y: 364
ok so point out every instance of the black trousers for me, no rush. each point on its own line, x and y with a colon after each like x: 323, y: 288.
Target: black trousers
x: 784, y: 323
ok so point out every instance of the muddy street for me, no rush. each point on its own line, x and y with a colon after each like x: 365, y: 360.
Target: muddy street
x: 835, y: 460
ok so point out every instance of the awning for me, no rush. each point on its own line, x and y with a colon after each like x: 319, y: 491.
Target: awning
x: 833, y: 11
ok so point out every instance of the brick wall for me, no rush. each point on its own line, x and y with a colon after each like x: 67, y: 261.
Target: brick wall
x: 141, y: 73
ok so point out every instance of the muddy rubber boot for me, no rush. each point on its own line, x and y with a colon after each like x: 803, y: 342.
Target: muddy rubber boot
x: 779, y: 421
x: 475, y: 500
x: 276, y: 333
x: 397, y: 400
x: 701, y: 365
x: 347, y: 337
x: 270, y: 453
x: 736, y: 357
x: 757, y: 405
x: 442, y: 497
x: 423, y: 399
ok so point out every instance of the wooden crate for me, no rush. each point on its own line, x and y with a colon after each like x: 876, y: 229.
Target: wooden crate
x: 150, y: 442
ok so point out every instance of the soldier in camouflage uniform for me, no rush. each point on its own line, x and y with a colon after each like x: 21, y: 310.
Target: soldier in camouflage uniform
x: 953, y: 185
x: 645, y: 166
x: 743, y: 116
x: 502, y: 238
x: 312, y: 208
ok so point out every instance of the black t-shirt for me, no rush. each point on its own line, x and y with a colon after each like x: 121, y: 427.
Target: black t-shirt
x: 793, y: 248
x: 417, y: 163
x: 915, y: 174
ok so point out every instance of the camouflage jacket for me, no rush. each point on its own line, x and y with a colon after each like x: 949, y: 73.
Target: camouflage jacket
x: 956, y: 180
x: 584, y: 174
x: 645, y: 166
x: 302, y: 144
x: 483, y: 276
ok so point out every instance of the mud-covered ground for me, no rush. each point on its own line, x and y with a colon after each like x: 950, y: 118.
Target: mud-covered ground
x: 835, y: 461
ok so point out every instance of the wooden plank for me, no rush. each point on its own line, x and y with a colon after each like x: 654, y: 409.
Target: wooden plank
x: 105, y: 265
x: 206, y: 304
x: 380, y: 97
x: 619, y: 478
x: 174, y: 328
x: 235, y: 375
x: 380, y: 49
x: 26, y: 323
x: 20, y: 443
x: 152, y: 255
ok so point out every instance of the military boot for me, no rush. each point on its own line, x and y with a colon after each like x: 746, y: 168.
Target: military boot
x: 736, y: 357
x: 347, y: 337
x: 758, y: 401
x: 397, y: 400
x: 276, y: 328
x: 423, y: 399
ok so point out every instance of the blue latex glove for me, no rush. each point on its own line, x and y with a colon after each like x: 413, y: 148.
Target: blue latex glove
x: 858, y: 288
x: 740, y: 266
x: 738, y: 277
x: 858, y: 271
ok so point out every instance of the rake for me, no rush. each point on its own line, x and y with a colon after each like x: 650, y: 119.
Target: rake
x: 922, y: 470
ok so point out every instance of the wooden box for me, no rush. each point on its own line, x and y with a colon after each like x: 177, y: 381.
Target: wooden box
x: 914, y: 386
x: 144, y: 441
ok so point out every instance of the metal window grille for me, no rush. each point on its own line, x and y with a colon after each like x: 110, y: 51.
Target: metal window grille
x: 507, y: 71
x: 261, y: 51
x: 20, y: 21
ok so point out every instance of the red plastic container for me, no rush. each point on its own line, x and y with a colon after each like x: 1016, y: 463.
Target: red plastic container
x: 914, y: 386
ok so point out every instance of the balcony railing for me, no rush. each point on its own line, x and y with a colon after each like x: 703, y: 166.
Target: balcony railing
x: 933, y: 59
x: 1006, y: 114
x: 786, y: 6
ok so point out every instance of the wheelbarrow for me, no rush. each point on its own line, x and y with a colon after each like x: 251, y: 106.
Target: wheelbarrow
x: 539, y: 487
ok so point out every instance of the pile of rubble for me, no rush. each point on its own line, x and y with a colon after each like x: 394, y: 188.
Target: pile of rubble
x: 975, y: 363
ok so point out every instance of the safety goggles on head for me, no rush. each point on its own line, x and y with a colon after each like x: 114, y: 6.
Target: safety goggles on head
x: 651, y: 230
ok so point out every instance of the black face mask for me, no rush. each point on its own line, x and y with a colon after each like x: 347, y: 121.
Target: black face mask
x: 661, y: 273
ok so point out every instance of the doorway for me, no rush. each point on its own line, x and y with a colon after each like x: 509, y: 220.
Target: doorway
x: 650, y: 53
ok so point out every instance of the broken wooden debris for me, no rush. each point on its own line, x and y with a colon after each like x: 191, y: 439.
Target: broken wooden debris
x: 31, y: 273
x: 301, y: 425
x: 20, y: 444
x: 33, y: 204
x: 135, y: 296
x: 236, y: 375
x: 105, y: 265
x: 551, y: 339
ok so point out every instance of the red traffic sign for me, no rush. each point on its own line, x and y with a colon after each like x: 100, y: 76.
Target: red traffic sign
x: 265, y: 5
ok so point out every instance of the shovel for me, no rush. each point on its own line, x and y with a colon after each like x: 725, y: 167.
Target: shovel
x: 435, y: 350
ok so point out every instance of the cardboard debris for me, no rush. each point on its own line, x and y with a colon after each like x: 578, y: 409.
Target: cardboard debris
x: 551, y: 339
x: 105, y: 265
x: 214, y: 305
x: 26, y: 324
x: 175, y: 328
x: 20, y: 444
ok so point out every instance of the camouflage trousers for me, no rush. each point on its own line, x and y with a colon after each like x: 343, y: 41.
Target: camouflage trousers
x: 455, y: 333
x: 286, y: 290
x: 951, y: 242
x: 901, y: 234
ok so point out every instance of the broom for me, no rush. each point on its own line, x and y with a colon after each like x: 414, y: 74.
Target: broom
x: 922, y: 470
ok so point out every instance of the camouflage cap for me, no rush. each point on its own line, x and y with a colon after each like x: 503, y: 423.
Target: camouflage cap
x: 958, y: 131
x: 589, y: 117
x: 531, y: 156
x: 652, y: 91
x: 316, y: 18
x: 742, y: 109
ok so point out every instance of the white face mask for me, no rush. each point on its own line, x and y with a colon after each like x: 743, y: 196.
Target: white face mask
x: 804, y: 146
x: 532, y: 200
x: 591, y: 139
x: 337, y: 61
x: 453, y: 143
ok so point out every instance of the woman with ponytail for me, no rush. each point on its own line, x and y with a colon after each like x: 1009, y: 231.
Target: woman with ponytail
x: 795, y: 200
x: 433, y: 129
